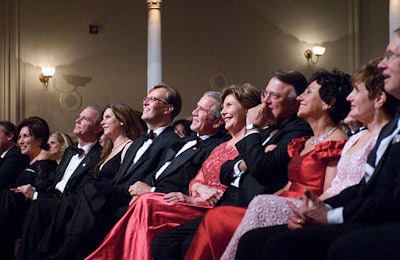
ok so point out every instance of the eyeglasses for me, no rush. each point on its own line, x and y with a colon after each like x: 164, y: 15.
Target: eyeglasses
x: 154, y: 99
x: 272, y: 95
x: 389, y: 55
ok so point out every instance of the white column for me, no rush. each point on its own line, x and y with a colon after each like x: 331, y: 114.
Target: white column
x: 154, y: 59
x: 394, y: 16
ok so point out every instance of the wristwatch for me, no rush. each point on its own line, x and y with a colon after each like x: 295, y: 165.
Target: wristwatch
x: 252, y: 126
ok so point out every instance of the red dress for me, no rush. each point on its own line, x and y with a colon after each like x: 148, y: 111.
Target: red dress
x: 304, y: 171
x: 150, y: 215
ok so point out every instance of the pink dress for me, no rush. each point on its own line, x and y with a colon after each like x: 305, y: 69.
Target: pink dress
x: 270, y: 210
x: 150, y: 215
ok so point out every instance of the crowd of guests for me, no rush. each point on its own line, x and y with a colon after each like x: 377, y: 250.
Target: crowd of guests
x: 269, y: 174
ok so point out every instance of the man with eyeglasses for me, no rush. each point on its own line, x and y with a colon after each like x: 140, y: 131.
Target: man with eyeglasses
x: 271, y: 125
x: 101, y: 204
x: 363, y: 221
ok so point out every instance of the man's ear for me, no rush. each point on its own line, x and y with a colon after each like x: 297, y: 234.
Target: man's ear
x: 218, y: 123
x: 10, y: 137
x: 98, y: 129
x: 168, y: 109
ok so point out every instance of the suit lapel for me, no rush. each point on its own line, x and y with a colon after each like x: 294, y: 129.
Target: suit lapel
x: 87, y: 161
x: 380, y: 150
x: 187, y: 155
x: 177, y: 162
x: 63, y: 166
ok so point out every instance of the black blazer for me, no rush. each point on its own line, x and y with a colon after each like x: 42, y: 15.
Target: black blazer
x: 130, y: 173
x: 11, y: 166
x: 81, y: 176
x: 177, y: 175
x: 378, y: 200
x: 267, y: 172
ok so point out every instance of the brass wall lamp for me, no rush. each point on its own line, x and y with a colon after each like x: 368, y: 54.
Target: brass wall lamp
x: 317, y: 51
x: 46, y: 75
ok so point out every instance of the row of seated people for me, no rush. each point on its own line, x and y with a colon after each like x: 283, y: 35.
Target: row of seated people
x: 362, y: 222
x: 156, y: 184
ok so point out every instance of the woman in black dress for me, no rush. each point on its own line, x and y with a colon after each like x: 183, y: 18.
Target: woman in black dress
x: 32, y: 141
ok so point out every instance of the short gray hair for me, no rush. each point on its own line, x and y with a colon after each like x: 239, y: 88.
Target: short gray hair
x: 217, y: 108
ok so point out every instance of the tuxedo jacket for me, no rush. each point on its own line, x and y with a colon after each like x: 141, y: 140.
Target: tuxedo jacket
x: 184, y: 167
x: 377, y: 200
x: 153, y: 157
x: 266, y: 172
x: 11, y: 166
x: 81, y: 176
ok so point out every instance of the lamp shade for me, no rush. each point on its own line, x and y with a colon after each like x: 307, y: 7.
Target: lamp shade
x: 48, y: 71
x: 318, y: 50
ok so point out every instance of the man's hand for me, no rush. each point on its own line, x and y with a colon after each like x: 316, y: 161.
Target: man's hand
x: 258, y: 115
x: 242, y: 166
x: 28, y: 191
x: 270, y: 148
x: 317, y: 212
x: 138, y: 188
x: 312, y: 212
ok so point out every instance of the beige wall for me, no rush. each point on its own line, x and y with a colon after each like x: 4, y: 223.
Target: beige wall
x: 242, y: 40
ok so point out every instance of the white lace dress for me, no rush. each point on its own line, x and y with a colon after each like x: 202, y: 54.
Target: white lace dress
x: 269, y: 210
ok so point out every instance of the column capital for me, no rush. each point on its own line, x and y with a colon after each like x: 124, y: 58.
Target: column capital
x: 154, y: 4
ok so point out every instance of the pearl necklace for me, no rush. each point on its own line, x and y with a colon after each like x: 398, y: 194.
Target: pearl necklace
x: 322, y: 137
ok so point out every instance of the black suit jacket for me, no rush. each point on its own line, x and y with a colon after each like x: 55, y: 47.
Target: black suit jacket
x: 267, y: 172
x: 11, y: 166
x: 182, y: 169
x: 81, y: 176
x: 154, y: 156
x: 377, y: 200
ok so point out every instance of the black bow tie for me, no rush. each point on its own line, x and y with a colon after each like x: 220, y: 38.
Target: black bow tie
x: 77, y: 150
x: 149, y: 135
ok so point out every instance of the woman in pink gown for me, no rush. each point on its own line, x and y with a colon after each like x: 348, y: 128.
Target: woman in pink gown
x: 153, y: 213
x: 371, y: 106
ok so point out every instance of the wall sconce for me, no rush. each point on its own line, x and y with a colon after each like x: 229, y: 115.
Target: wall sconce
x: 47, y: 73
x: 317, y: 51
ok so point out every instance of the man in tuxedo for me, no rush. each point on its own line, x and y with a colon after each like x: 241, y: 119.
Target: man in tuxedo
x: 72, y: 173
x: 180, y: 167
x: 12, y: 162
x: 359, y: 212
x: 99, y: 203
x: 254, y: 171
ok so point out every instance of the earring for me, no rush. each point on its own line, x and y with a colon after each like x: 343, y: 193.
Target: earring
x: 324, y: 107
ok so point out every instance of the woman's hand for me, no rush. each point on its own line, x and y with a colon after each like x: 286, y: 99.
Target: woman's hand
x: 205, y: 196
x: 27, y: 190
x: 177, y: 197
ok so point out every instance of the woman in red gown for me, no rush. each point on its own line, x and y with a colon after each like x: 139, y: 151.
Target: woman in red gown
x: 313, y: 165
x: 153, y: 213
